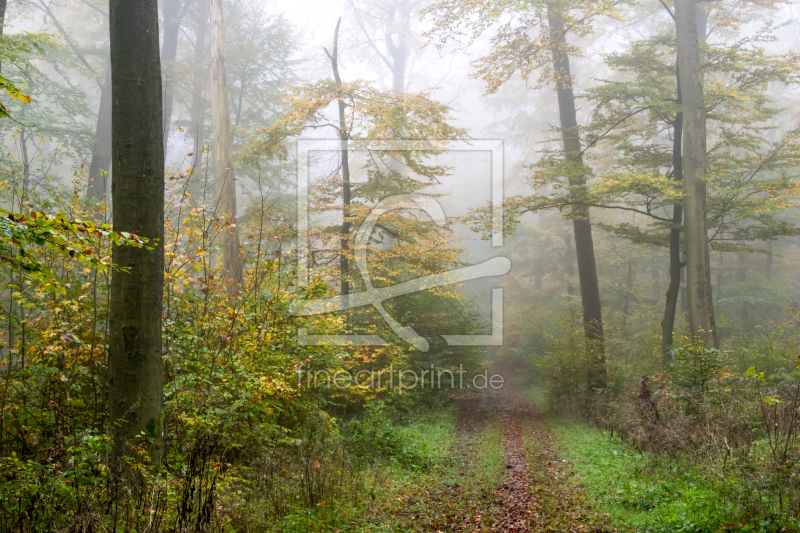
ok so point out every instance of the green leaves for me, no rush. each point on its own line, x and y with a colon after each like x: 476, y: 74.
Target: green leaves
x: 26, y: 239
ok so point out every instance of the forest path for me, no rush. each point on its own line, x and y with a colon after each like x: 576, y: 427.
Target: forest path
x: 536, y: 493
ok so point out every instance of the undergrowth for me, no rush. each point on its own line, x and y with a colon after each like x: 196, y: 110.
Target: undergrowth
x: 645, y: 493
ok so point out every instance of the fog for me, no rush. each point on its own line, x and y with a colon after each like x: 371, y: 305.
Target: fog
x: 595, y: 200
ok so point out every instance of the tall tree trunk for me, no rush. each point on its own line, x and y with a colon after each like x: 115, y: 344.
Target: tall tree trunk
x: 3, y: 5
x: 136, y: 394
x: 675, y: 263
x: 628, y: 294
x: 698, y: 265
x: 741, y: 278
x: 569, y: 261
x: 399, y: 50
x: 198, y: 117
x: 224, y: 176
x: 581, y: 223
x: 684, y: 296
x: 100, y: 166
x: 344, y: 239
x: 769, y: 259
x: 169, y: 52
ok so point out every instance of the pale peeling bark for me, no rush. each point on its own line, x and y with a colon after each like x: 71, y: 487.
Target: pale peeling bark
x: 222, y: 152
x: 136, y: 395
x: 698, y: 265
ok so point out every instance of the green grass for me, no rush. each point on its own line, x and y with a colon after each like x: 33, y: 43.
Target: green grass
x: 488, y: 469
x: 446, y: 492
x: 450, y: 477
x: 640, y: 493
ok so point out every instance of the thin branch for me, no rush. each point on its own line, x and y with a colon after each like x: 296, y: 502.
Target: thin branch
x: 617, y: 123
x: 671, y: 14
x: 69, y: 40
x: 96, y: 8
x: 366, y: 34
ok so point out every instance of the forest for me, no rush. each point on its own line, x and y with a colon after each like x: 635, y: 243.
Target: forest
x: 399, y: 266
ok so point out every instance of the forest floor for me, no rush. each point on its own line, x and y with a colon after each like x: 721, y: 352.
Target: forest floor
x: 503, y: 474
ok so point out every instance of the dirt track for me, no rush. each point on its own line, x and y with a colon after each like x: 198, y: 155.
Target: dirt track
x: 537, y: 493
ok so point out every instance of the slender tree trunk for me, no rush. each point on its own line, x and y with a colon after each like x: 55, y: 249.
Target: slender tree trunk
x: 675, y: 263
x: 684, y: 296
x: 100, y: 165
x: 769, y: 259
x: 581, y: 223
x: 224, y: 176
x: 3, y: 4
x: 399, y: 50
x: 344, y: 239
x: 169, y: 52
x: 136, y: 394
x: 198, y: 117
x: 741, y: 278
x: 698, y: 266
x: 569, y: 260
x: 628, y: 294
x: 26, y: 164
x: 538, y: 269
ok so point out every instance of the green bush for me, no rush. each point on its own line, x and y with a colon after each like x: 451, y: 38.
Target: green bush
x: 378, y: 437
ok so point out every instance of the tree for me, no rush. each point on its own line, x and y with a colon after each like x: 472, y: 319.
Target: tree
x: 173, y: 13
x: 634, y: 140
x: 736, y: 72
x: 100, y: 165
x: 522, y: 46
x: 419, y: 247
x: 344, y: 131
x: 222, y: 152
x: 393, y: 18
x: 698, y: 263
x: 136, y: 394
x: 581, y: 223
x: 3, y: 5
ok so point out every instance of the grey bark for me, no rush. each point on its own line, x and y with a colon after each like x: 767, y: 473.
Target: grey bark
x: 399, y: 50
x: 198, y: 118
x: 136, y: 393
x: 222, y: 151
x: 398, y: 22
x: 3, y: 4
x: 169, y: 52
x: 769, y: 259
x: 581, y: 223
x: 569, y: 264
x: 741, y: 278
x: 698, y: 265
x: 344, y: 239
x: 100, y: 166
x: 675, y: 263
